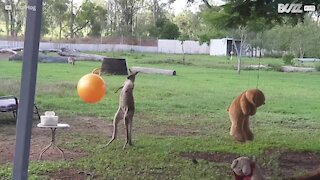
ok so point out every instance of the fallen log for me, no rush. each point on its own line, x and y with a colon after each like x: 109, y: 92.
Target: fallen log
x: 253, y: 67
x: 42, y: 58
x: 8, y: 50
x: 296, y: 69
x: 147, y: 70
x: 45, y: 51
x: 82, y: 56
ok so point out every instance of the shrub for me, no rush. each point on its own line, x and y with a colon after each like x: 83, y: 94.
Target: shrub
x: 287, y: 58
x: 272, y: 54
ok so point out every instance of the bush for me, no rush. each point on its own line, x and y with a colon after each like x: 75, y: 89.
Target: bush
x: 317, y: 66
x: 272, y: 54
x: 287, y: 58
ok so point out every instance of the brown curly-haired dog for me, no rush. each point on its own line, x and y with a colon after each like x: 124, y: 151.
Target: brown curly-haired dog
x: 241, y: 108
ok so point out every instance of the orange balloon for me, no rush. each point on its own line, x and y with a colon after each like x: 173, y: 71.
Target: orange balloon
x: 91, y: 88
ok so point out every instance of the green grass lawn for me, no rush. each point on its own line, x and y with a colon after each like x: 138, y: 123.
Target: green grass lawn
x: 196, y: 99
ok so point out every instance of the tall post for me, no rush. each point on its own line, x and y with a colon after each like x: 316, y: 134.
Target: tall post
x: 27, y: 90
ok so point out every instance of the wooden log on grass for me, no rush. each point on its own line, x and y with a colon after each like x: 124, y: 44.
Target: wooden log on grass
x: 8, y: 50
x: 82, y: 56
x: 42, y: 58
x: 252, y: 67
x: 147, y: 70
x: 296, y: 69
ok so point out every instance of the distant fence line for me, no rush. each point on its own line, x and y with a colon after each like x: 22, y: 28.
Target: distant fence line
x: 163, y: 46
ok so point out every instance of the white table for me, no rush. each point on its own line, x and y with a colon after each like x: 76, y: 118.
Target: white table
x: 53, y: 138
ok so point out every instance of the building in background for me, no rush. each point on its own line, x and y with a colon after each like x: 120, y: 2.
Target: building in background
x: 223, y: 47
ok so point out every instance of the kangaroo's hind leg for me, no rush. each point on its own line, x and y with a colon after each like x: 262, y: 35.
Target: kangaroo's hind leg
x: 128, y: 123
x: 118, y: 116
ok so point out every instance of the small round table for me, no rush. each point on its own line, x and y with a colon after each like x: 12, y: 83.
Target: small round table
x: 53, y: 138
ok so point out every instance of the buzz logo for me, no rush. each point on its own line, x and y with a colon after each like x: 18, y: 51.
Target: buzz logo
x: 295, y: 8
x: 290, y: 8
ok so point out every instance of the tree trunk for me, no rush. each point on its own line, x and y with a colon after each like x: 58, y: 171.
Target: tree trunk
x: 12, y: 23
x: 71, y: 20
x: 7, y: 22
x: 242, y: 41
x: 155, y: 11
x: 183, y: 57
x: 260, y: 54
x: 131, y: 17
x: 207, y: 3
x: 115, y: 17
x: 238, y: 55
x: 60, y: 30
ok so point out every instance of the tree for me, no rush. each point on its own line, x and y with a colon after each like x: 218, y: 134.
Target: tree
x: 302, y: 39
x: 92, y: 16
x: 128, y: 9
x: 55, y: 15
x: 188, y: 24
x: 165, y: 29
x: 14, y: 17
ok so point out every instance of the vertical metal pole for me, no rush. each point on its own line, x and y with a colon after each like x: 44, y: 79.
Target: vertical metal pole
x: 27, y: 89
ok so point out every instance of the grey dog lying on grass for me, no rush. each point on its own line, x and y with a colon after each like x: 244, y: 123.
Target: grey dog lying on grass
x: 126, y: 109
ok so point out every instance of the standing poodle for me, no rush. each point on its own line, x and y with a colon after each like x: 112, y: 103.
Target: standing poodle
x: 241, y: 108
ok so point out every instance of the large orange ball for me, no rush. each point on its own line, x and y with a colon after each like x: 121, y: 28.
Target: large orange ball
x: 91, y: 88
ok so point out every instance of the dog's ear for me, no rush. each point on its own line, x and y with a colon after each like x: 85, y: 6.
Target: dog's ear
x: 250, y: 95
x: 259, y: 98
x: 255, y: 97
x: 245, y: 105
x: 234, y: 163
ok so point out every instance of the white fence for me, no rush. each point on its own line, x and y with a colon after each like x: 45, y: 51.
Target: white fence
x: 164, y: 46
x: 175, y: 47
x: 84, y: 47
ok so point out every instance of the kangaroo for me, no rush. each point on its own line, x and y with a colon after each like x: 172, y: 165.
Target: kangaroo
x: 126, y: 109
x: 71, y: 60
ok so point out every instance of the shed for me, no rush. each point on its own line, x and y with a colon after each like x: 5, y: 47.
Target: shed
x: 223, y: 47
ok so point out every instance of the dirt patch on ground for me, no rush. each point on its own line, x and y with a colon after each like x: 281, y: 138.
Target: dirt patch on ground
x: 163, y: 130
x: 39, y: 140
x: 78, y: 125
x: 41, y: 137
x: 69, y: 174
x: 292, y: 162
x: 217, y: 157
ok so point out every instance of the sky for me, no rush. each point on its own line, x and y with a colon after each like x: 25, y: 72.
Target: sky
x: 180, y: 5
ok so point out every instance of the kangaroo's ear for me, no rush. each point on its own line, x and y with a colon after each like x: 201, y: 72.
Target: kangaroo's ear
x: 130, y: 71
